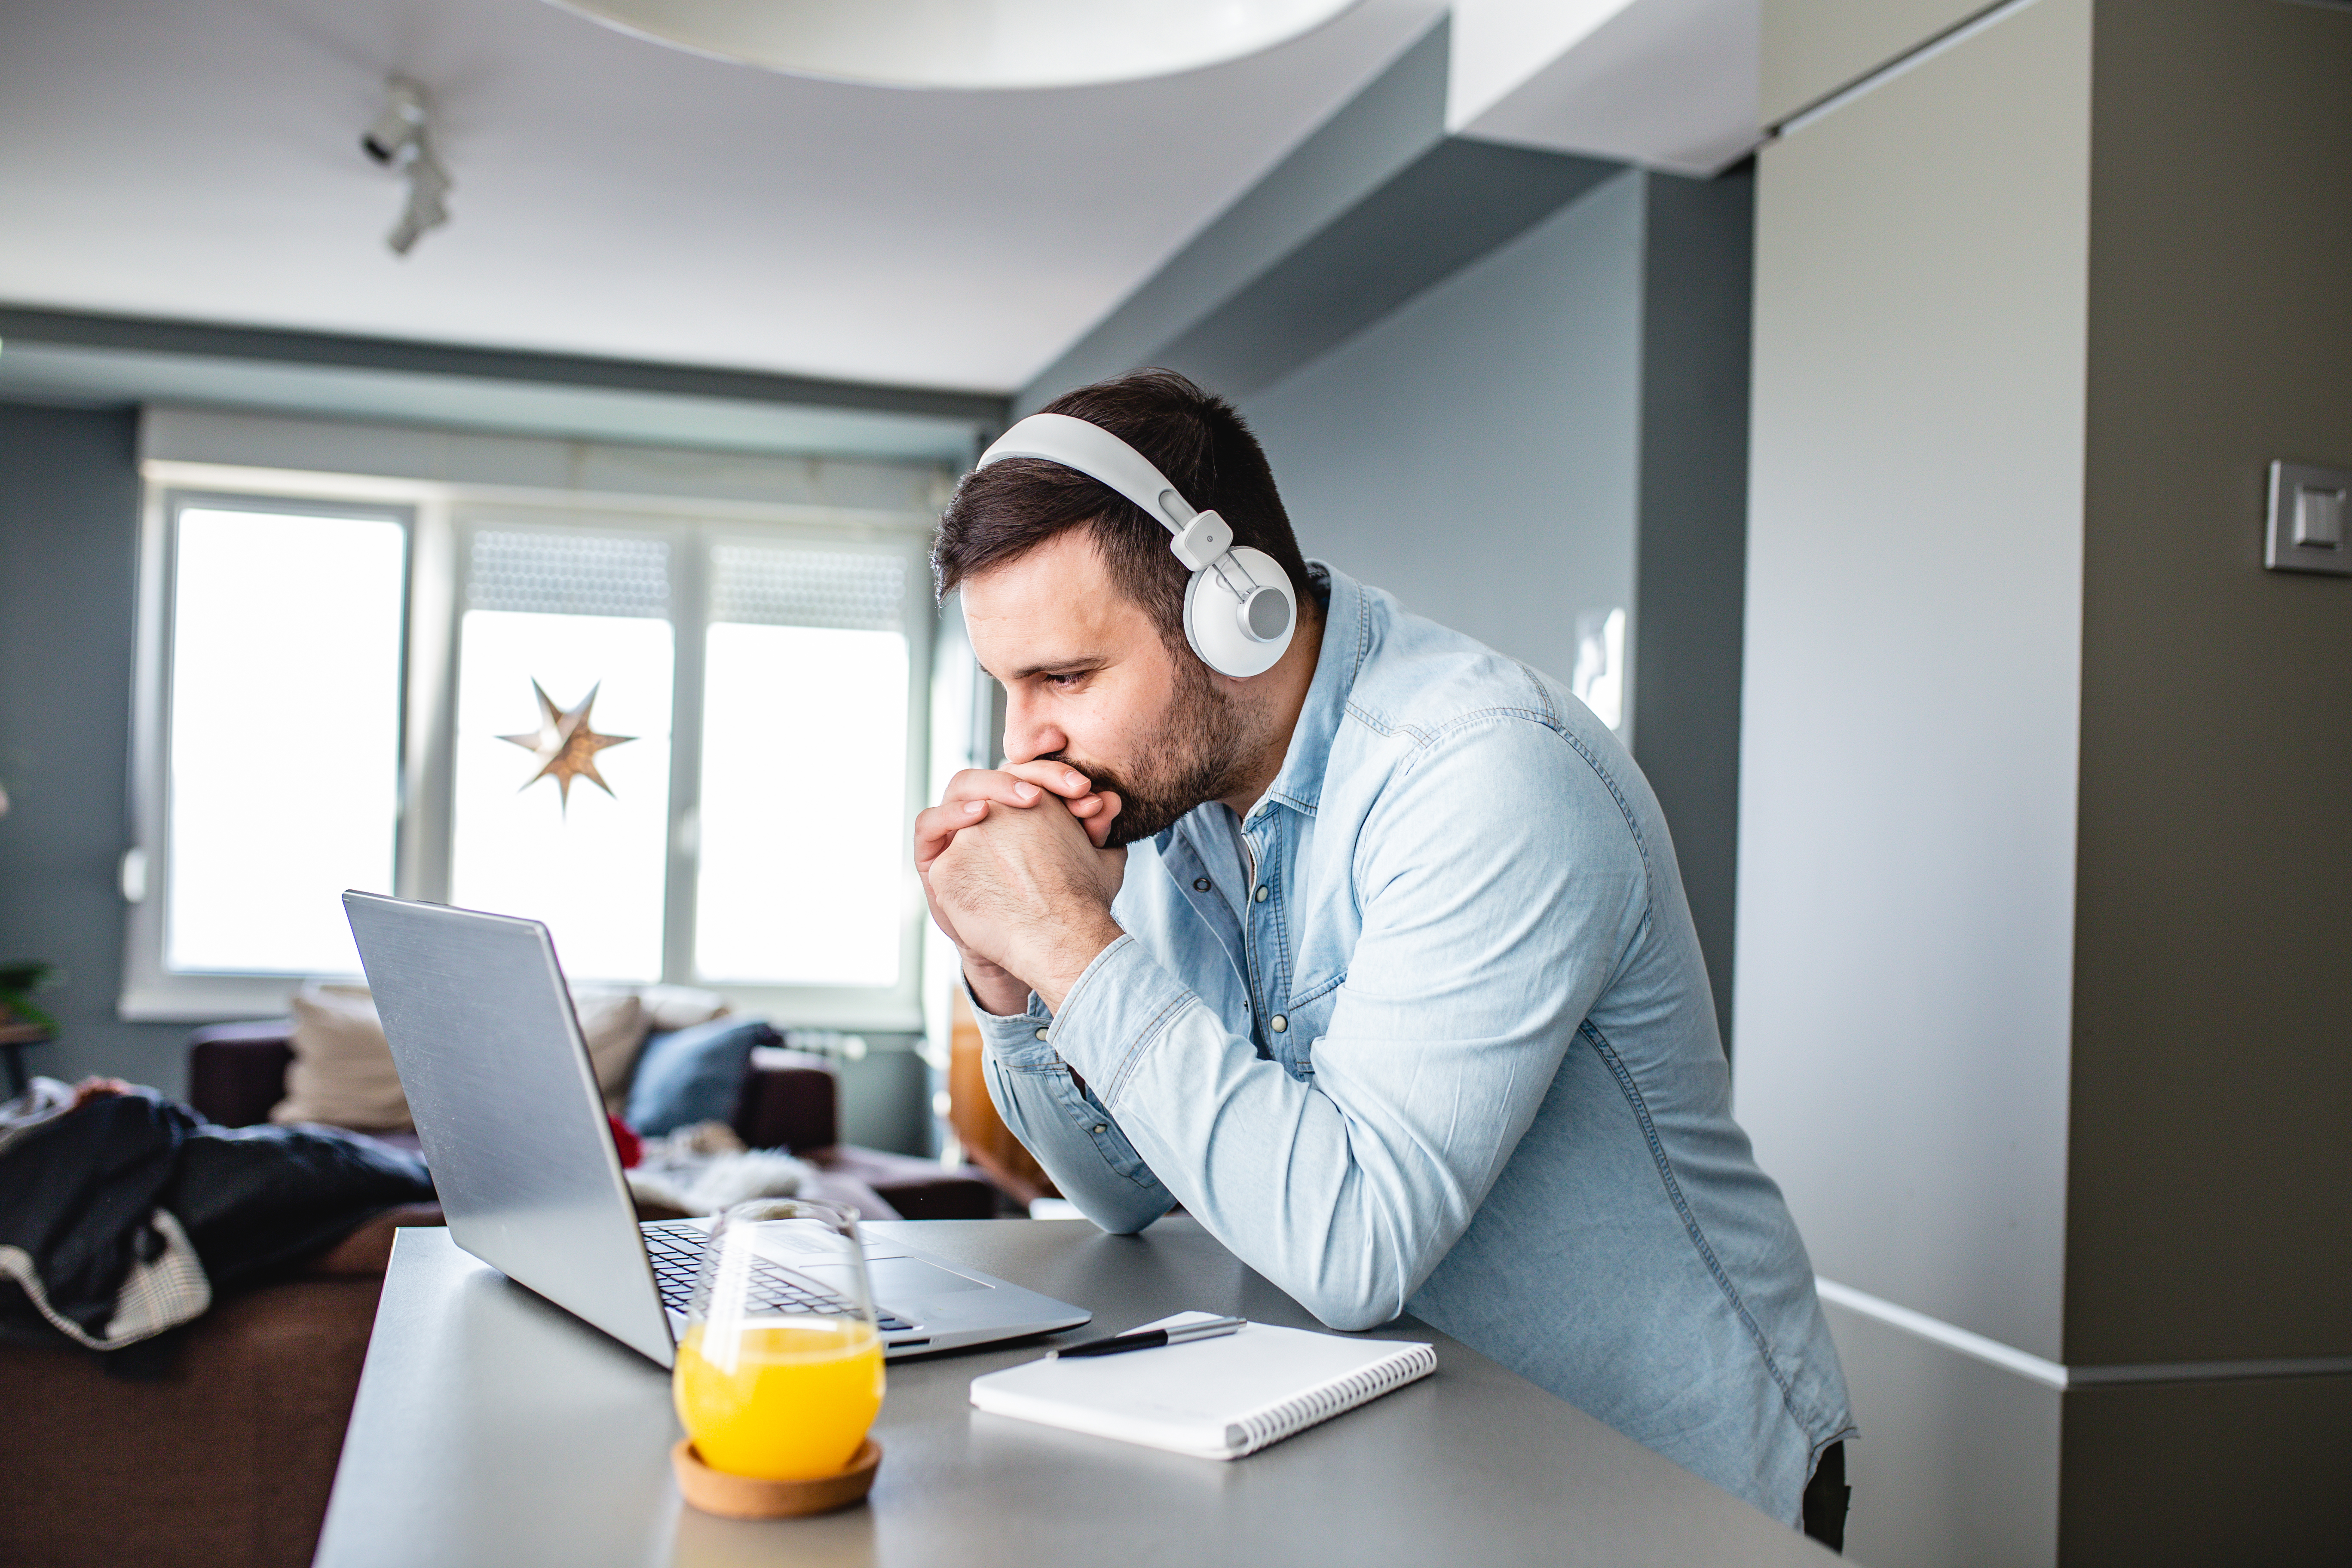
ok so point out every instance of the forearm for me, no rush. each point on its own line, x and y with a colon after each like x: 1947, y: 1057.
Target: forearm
x: 1068, y: 1130
x: 993, y: 990
x: 1345, y: 1208
x: 1081, y: 1148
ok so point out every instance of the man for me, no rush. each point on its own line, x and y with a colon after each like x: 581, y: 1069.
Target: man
x: 1378, y: 961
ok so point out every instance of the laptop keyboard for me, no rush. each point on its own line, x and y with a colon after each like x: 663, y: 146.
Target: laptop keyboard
x: 676, y: 1251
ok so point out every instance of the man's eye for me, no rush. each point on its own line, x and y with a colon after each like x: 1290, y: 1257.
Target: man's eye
x: 1063, y: 681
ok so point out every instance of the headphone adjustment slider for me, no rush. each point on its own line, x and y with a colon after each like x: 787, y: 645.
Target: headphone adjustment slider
x: 1203, y: 539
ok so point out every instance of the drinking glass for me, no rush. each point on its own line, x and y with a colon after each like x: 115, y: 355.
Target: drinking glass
x: 780, y: 1370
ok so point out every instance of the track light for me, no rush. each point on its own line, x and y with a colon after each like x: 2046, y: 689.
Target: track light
x: 402, y: 140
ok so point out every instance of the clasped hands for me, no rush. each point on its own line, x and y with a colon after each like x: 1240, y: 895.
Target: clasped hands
x: 1012, y: 863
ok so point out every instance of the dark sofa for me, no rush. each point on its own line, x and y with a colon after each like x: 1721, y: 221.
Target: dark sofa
x: 790, y: 1100
x: 225, y: 1460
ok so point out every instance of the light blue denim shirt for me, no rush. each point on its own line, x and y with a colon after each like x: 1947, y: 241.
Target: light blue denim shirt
x: 1457, y: 1057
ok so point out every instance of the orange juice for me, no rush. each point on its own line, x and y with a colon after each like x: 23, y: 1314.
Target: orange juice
x: 795, y: 1404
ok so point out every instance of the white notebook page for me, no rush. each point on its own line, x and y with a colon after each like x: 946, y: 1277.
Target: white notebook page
x: 1216, y: 1399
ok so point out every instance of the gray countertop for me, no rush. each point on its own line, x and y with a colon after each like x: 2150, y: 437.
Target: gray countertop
x: 494, y: 1428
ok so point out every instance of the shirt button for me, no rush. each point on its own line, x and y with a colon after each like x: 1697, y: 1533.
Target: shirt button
x: 1261, y: 895
x: 1280, y: 1022
x: 1199, y: 884
x: 1041, y: 1034
x: 1100, y: 1128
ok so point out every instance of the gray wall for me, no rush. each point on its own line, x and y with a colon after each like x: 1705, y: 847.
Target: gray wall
x: 1814, y: 47
x: 1562, y: 426
x: 1909, y: 750
x: 1474, y: 452
x: 1914, y: 601
x: 68, y: 560
x: 1689, y: 603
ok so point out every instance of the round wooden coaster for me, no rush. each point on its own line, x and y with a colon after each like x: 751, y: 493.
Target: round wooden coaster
x: 747, y: 1497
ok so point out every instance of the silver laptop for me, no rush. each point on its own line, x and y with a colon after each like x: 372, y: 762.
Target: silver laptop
x: 513, y: 1127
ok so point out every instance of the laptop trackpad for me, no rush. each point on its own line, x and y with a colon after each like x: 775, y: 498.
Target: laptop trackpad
x: 908, y: 1280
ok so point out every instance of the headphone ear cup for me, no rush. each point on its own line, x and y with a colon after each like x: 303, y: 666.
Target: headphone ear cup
x: 1212, y: 622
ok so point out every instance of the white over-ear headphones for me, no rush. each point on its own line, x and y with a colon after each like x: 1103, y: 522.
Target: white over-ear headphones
x: 1240, y: 610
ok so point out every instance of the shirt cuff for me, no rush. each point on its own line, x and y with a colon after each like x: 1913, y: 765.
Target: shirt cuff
x: 1018, y: 1039
x: 1120, y: 1008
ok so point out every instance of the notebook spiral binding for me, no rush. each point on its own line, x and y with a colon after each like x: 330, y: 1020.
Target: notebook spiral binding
x: 1295, y: 1416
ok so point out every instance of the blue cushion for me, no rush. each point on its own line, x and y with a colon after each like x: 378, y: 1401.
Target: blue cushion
x: 694, y: 1075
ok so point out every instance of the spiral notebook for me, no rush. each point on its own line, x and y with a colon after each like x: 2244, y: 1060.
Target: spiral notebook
x: 1214, y: 1399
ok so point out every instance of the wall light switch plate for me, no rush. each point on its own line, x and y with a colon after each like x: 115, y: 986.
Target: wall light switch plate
x: 2311, y: 520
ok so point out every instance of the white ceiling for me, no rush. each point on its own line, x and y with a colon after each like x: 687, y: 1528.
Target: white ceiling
x: 200, y: 160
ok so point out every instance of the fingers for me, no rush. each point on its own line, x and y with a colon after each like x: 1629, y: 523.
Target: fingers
x: 1025, y: 784
x: 970, y: 793
x: 1060, y: 777
x: 966, y: 800
x: 1101, y: 810
x: 936, y: 827
x: 991, y: 784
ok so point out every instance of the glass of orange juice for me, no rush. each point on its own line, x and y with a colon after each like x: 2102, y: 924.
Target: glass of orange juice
x: 779, y: 1374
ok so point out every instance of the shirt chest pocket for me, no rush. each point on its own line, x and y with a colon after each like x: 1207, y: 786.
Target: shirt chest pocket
x: 1296, y: 1029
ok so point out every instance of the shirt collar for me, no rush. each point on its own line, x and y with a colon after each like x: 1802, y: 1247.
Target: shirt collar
x: 1299, y: 783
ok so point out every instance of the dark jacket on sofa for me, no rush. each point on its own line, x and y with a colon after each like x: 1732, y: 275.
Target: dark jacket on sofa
x: 122, y: 1216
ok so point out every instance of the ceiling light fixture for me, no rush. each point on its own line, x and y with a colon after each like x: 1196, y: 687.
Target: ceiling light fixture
x: 401, y: 139
x: 969, y: 43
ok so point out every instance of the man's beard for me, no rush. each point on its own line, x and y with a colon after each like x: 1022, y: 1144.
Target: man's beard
x: 1199, y: 754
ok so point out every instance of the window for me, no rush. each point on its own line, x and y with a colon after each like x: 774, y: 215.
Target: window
x: 687, y: 743
x: 781, y: 752
x: 284, y: 750
x: 585, y: 618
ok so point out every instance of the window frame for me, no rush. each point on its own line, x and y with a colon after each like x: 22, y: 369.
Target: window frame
x: 150, y: 989
x: 439, y: 519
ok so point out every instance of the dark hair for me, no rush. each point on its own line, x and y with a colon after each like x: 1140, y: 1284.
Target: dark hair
x: 1010, y: 508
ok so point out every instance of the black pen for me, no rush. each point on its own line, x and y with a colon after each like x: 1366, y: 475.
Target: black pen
x: 1152, y: 1339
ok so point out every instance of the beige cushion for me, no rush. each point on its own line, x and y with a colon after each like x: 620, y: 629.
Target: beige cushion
x: 343, y: 1072
x: 681, y: 1007
x: 615, y: 1025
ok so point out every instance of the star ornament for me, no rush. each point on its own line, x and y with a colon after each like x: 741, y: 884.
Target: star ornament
x: 565, y: 745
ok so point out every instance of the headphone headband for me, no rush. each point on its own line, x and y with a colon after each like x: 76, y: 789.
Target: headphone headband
x: 1099, y: 455
x: 1263, y: 608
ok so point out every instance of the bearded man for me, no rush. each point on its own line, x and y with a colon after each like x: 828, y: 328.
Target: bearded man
x: 1378, y: 961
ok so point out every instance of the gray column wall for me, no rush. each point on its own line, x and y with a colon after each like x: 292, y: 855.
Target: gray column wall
x: 1561, y: 427
x: 1913, y: 676
x: 2043, y: 992
x: 1909, y: 757
x: 1814, y: 47
x: 2210, y: 1198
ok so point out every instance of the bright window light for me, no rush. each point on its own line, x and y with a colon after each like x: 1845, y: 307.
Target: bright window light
x: 804, y: 806
x: 592, y: 870
x: 804, y: 818
x: 575, y: 612
x: 284, y: 736
x: 285, y: 713
x: 1599, y: 681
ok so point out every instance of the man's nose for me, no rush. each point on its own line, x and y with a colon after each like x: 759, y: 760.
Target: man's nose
x: 1028, y: 735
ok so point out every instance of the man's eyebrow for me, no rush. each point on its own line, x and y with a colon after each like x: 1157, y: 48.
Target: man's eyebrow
x: 1075, y: 665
